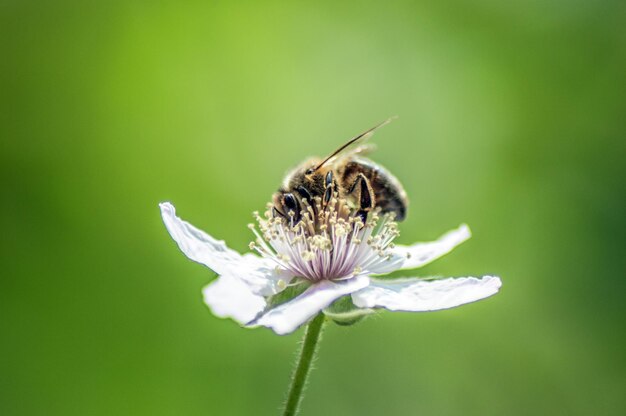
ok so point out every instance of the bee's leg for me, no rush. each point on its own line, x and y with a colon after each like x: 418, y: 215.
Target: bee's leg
x: 365, y: 197
x: 304, y: 193
x: 329, y: 182
x: 310, y: 202
x: 331, y: 187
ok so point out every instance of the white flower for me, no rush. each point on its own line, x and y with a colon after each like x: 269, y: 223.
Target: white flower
x: 324, y: 262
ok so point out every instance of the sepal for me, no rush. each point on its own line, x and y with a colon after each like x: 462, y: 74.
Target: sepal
x: 345, y: 313
x: 292, y: 291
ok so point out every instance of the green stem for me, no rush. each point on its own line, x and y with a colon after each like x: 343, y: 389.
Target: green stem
x: 309, y: 348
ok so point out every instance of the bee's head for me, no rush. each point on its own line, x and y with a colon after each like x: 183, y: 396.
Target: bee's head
x: 286, y: 205
x: 305, y: 182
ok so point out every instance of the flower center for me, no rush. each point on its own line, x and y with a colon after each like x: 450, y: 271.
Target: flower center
x: 330, y: 241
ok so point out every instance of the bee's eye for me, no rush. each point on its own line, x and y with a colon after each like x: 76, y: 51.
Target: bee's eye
x: 309, y: 171
x: 290, y: 201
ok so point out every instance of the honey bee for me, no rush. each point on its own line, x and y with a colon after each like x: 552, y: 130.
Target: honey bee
x: 347, y: 174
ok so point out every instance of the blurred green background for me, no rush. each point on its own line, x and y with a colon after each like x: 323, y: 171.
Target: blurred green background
x: 512, y: 119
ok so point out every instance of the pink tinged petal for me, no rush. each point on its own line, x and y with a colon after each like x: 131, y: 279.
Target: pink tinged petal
x: 287, y: 317
x: 414, y: 295
x: 420, y: 254
x: 229, y: 297
x: 258, y: 273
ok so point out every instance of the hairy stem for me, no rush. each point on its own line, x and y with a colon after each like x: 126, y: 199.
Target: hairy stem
x: 307, y: 354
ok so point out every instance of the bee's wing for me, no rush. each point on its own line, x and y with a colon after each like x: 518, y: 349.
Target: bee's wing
x: 355, y: 150
x: 362, y: 149
x: 356, y: 145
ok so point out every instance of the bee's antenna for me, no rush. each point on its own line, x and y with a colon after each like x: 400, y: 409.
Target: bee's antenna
x: 360, y: 136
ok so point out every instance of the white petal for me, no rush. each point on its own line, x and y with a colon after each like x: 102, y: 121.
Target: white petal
x: 197, y: 245
x: 258, y: 273
x: 420, y: 254
x: 416, y: 295
x: 229, y: 297
x: 287, y: 317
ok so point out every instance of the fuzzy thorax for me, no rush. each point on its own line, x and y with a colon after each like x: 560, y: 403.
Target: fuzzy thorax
x: 330, y: 242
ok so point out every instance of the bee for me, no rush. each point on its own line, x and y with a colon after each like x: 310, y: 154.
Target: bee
x: 347, y: 174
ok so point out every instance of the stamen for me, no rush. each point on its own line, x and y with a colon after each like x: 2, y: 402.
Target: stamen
x: 329, y: 241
